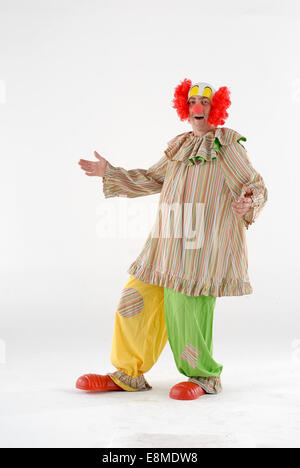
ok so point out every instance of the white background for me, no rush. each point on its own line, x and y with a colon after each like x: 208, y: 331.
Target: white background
x: 76, y: 76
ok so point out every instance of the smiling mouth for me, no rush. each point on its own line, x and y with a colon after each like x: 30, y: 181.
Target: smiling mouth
x: 198, y: 117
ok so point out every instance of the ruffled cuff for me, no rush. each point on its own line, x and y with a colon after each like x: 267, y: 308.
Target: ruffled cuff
x: 209, y: 384
x: 131, y: 384
x: 255, y: 207
x: 109, y: 186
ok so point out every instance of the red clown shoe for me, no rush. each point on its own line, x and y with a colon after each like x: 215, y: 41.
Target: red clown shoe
x: 96, y: 383
x: 186, y: 391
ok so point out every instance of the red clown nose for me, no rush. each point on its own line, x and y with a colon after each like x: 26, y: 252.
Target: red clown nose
x: 197, y: 108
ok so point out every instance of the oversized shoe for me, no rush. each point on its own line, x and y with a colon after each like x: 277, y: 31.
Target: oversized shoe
x: 186, y: 391
x: 96, y: 383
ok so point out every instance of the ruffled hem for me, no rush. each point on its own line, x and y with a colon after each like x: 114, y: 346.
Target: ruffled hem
x: 130, y: 384
x: 234, y: 287
x: 209, y: 384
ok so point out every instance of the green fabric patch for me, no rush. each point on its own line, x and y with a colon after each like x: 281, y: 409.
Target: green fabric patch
x: 241, y: 139
x: 217, y: 144
x: 196, y: 157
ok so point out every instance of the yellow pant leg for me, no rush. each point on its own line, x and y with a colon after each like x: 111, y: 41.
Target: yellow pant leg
x: 140, y: 333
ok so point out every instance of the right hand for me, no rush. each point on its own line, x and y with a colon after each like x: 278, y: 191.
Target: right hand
x: 94, y: 168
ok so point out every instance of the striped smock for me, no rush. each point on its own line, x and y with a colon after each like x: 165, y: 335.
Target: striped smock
x: 197, y: 245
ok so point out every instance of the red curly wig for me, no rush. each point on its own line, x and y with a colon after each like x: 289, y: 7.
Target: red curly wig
x: 219, y: 103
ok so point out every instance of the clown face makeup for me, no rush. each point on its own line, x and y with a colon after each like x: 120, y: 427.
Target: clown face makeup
x: 199, y: 109
x: 220, y: 100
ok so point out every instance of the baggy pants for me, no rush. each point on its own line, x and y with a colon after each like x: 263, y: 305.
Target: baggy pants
x: 146, y: 318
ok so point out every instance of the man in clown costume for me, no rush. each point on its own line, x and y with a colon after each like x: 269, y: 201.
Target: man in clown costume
x: 196, y: 251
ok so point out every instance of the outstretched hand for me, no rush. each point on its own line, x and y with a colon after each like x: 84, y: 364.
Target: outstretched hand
x: 94, y: 168
x: 243, y: 203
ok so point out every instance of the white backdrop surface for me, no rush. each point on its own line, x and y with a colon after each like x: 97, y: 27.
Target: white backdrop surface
x: 76, y: 76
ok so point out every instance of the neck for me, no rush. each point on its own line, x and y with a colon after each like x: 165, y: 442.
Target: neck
x: 202, y: 131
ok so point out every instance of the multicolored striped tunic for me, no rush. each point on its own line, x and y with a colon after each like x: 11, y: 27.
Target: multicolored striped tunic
x: 197, y: 245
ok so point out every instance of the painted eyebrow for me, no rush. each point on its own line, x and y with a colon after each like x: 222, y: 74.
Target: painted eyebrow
x: 193, y: 99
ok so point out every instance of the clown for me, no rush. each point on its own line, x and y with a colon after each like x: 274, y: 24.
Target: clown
x: 209, y: 196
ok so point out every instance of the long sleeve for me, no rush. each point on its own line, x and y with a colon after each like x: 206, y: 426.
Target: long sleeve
x: 239, y: 173
x: 119, y: 182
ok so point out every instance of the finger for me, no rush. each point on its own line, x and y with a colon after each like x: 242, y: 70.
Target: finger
x: 242, y: 212
x: 239, y: 214
x: 243, y: 205
x: 242, y: 201
x: 238, y: 201
x: 81, y: 161
x: 246, y: 202
x: 240, y: 205
x: 97, y: 155
x: 88, y: 166
x: 90, y: 173
x: 239, y: 210
x: 87, y: 169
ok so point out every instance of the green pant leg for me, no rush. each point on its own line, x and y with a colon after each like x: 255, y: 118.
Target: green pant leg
x: 189, y: 322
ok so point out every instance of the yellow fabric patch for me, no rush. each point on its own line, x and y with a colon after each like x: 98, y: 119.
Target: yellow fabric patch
x: 194, y: 91
x: 207, y: 92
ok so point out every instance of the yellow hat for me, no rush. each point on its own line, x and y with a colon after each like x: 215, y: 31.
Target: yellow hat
x: 201, y: 89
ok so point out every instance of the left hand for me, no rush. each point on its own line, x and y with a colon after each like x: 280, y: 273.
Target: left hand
x: 243, y: 203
